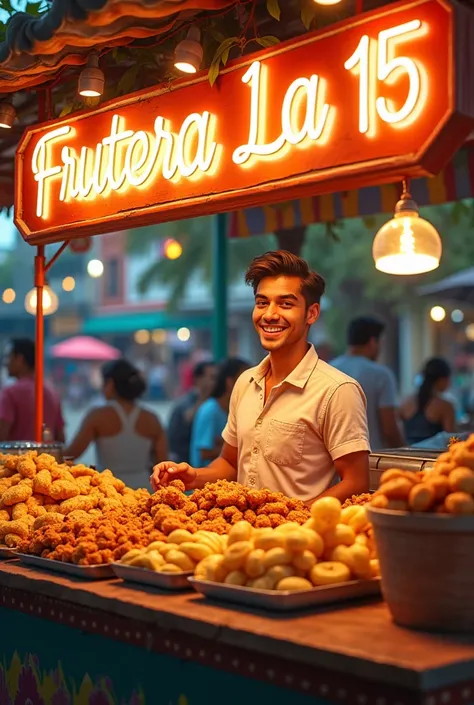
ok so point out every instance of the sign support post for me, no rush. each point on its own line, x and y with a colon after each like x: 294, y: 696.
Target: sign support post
x: 40, y: 267
x: 219, y: 274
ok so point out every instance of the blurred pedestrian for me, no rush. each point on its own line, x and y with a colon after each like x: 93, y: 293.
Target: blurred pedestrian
x: 17, y: 401
x: 129, y: 439
x: 427, y: 413
x: 211, y: 417
x: 182, y: 416
x: 378, y: 381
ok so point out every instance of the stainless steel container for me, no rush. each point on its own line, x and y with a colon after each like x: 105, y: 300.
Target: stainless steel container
x: 413, y: 459
x: 21, y: 447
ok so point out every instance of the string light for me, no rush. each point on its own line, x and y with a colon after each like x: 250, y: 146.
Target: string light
x: 8, y: 296
x: 91, y: 79
x: 407, y: 244
x: 95, y: 268
x: 142, y: 337
x: 69, y: 284
x: 188, y: 53
x: 457, y: 316
x: 172, y: 249
x: 438, y: 314
x: 183, y: 334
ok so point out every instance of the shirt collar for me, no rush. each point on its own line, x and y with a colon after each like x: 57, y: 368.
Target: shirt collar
x: 299, y: 376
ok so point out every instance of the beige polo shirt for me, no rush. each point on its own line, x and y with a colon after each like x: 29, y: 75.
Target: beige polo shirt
x: 315, y: 416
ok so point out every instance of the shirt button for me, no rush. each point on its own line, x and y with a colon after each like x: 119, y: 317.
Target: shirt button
x: 259, y: 422
x: 255, y: 450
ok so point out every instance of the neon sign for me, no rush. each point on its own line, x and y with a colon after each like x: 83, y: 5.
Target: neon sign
x: 338, y: 107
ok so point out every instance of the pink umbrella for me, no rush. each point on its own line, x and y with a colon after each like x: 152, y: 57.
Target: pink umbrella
x: 85, y: 348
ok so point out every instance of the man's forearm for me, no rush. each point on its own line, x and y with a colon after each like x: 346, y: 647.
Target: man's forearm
x: 219, y: 469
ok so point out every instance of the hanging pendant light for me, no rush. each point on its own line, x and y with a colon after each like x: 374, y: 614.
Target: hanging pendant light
x: 407, y: 244
x: 91, y: 79
x: 188, y: 53
x: 7, y: 114
x: 50, y: 301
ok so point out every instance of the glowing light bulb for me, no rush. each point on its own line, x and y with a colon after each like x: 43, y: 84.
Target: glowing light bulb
x: 407, y: 244
x: 457, y: 316
x: 159, y: 336
x: 95, y: 268
x: 50, y: 301
x: 438, y: 314
x: 142, y: 337
x: 8, y: 296
x: 326, y: 2
x: 183, y: 334
x: 172, y: 249
x: 189, y: 52
x: 69, y: 284
x: 470, y: 331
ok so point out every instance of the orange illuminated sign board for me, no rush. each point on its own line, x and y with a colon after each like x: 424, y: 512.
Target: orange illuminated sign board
x: 379, y: 96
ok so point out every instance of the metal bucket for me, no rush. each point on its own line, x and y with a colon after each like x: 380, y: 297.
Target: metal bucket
x: 22, y: 447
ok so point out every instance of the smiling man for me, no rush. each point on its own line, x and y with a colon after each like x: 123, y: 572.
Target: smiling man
x: 296, y: 424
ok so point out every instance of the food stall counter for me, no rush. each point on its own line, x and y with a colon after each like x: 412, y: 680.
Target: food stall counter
x: 142, y: 646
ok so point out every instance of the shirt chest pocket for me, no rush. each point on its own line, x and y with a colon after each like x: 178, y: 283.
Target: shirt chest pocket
x: 284, y: 442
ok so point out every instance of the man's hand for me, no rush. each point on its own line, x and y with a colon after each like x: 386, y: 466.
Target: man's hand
x: 163, y: 473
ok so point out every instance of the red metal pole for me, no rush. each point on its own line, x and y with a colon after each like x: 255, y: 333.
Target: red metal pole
x: 39, y: 353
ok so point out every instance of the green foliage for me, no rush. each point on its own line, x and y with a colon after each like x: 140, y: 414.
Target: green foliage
x: 32, y: 8
x: 196, y: 238
x: 273, y: 8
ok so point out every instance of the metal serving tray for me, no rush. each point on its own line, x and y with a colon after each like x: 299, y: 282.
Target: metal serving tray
x: 143, y: 576
x: 6, y: 552
x: 86, y: 572
x: 285, y: 601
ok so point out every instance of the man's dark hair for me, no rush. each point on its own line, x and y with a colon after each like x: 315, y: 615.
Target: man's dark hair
x: 229, y: 369
x: 26, y: 348
x: 201, y: 368
x: 361, y: 330
x: 285, y: 264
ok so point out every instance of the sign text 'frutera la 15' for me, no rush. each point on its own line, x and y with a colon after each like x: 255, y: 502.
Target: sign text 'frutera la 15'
x: 378, y: 96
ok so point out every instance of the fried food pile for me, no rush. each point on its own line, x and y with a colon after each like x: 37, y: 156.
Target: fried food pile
x: 36, y: 491
x: 95, y: 542
x: 180, y: 553
x: 335, y: 545
x: 357, y: 500
x: 447, y: 488
x: 220, y: 505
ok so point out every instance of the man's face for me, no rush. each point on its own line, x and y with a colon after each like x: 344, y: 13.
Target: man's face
x: 280, y: 315
x: 205, y: 383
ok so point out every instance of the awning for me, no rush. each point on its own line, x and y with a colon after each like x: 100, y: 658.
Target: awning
x: 453, y: 183
x: 118, y: 323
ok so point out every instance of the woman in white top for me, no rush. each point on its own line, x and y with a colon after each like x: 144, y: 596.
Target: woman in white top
x: 129, y: 439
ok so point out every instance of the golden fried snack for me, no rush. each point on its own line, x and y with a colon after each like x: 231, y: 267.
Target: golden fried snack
x: 49, y: 519
x: 5, y: 472
x: 70, y: 505
x: 63, y: 489
x: 18, y: 527
x: 82, y: 471
x: 12, y: 540
x: 27, y: 467
x: 19, y: 511
x: 42, y: 482
x: 5, y: 515
x: 16, y: 494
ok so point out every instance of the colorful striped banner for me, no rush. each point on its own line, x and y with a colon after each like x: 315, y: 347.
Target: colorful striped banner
x: 453, y: 183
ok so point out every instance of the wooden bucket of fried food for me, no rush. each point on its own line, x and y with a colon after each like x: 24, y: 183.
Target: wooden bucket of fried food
x: 427, y: 568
